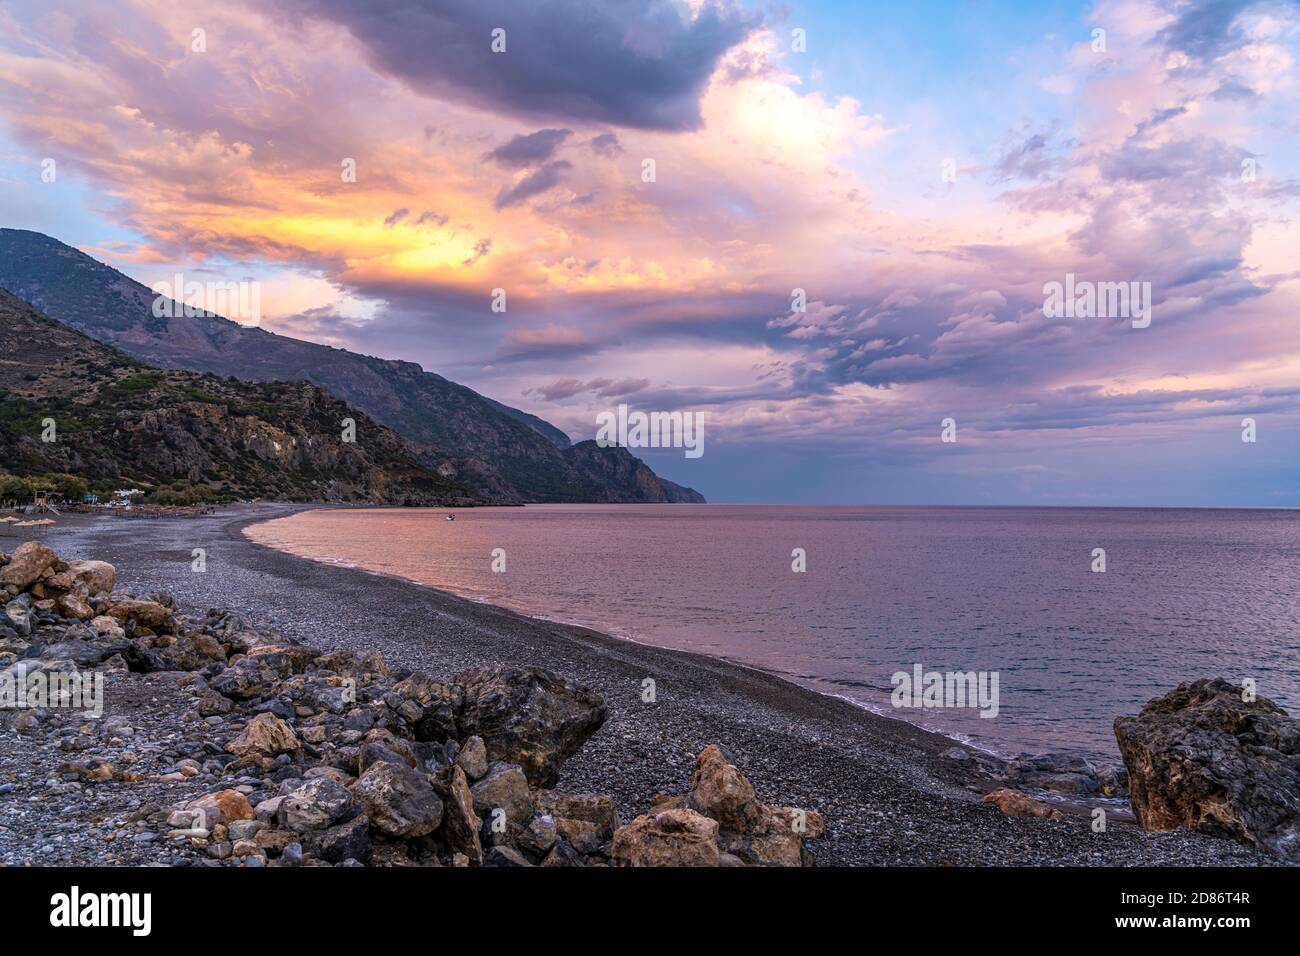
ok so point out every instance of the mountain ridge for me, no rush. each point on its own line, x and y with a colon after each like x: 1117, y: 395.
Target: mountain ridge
x: 118, y: 421
x: 502, y: 454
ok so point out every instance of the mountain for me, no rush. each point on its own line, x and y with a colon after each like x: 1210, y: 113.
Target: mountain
x: 118, y: 422
x: 500, y: 453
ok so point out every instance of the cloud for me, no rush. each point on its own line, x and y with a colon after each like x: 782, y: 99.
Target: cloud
x: 559, y: 389
x: 549, y: 340
x: 523, y: 151
x: 481, y: 249
x: 606, y: 145
x: 652, y: 58
x: 1207, y: 29
x: 534, y: 184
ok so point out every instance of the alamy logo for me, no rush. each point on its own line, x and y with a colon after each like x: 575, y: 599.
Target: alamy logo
x: 953, y: 689
x: 238, y: 301
x: 1098, y: 300
x: 72, y: 689
x: 626, y: 429
x: 74, y: 909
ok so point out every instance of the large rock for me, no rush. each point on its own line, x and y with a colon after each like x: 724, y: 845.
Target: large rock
x: 749, y: 831
x: 347, y: 841
x: 157, y: 617
x: 83, y: 578
x: 678, y: 837
x: 1200, y: 757
x: 720, y: 791
x: 265, y: 736
x: 224, y: 806
x: 246, y: 679
x: 1061, y: 773
x: 503, y: 788
x: 398, y: 800
x: 460, y: 825
x: 316, y: 805
x: 529, y: 717
x: 1015, y: 804
x: 26, y: 565
x: 586, y: 820
x: 779, y: 838
x: 428, y: 705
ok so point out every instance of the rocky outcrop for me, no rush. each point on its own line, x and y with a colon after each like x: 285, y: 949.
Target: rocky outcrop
x: 675, y: 837
x: 529, y: 717
x: 1203, y: 758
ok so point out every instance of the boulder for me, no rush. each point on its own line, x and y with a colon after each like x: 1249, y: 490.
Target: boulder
x: 1061, y: 773
x: 74, y: 606
x: 224, y: 806
x: 587, y: 821
x: 157, y: 617
x: 284, y: 659
x: 720, y: 791
x: 347, y: 841
x: 505, y: 856
x: 265, y: 736
x: 193, y: 652
x: 428, y: 705
x: 17, y: 616
x: 26, y: 565
x: 460, y: 825
x: 778, y: 840
x: 473, y: 758
x: 667, y: 838
x: 503, y: 788
x: 1015, y: 804
x: 83, y: 579
x: 316, y: 805
x: 398, y: 800
x: 107, y: 626
x: 529, y: 717
x: 1200, y: 757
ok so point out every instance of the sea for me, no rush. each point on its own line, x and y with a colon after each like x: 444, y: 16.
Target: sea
x: 1032, y: 627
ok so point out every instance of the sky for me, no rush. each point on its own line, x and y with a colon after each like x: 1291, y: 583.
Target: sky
x: 922, y: 172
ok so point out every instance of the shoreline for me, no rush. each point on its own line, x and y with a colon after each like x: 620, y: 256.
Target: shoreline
x: 887, y: 794
x: 951, y: 739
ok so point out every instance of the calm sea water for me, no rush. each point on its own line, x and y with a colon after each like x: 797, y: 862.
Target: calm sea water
x: 1186, y: 594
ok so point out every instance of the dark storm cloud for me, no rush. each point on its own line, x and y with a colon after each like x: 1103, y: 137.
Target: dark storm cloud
x: 535, y: 183
x: 607, y: 145
x: 529, y: 149
x: 636, y: 63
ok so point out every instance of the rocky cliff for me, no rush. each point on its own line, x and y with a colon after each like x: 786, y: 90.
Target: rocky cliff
x: 115, y: 419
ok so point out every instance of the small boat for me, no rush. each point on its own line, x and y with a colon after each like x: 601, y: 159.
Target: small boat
x: 451, y: 517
